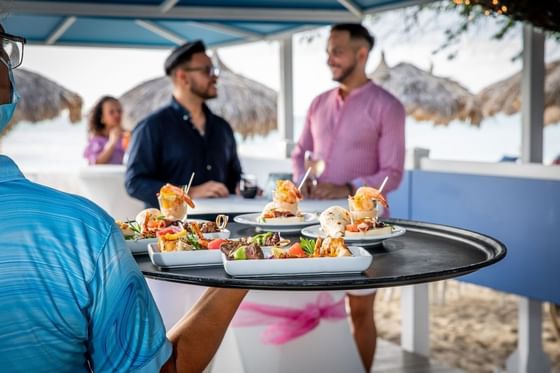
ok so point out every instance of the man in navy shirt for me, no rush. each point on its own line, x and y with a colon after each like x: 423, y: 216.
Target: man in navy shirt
x: 185, y: 136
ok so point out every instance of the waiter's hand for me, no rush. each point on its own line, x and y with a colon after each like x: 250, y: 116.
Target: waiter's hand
x: 330, y: 191
x: 209, y: 189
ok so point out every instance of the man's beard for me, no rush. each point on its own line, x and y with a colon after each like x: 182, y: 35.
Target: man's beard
x: 201, y: 92
x: 345, y: 73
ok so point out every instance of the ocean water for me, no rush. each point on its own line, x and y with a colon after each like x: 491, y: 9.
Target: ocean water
x: 59, y: 144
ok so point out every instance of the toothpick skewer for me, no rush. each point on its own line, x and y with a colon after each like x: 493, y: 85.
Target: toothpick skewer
x: 304, y: 178
x: 188, y: 187
x: 186, y: 191
x: 383, y: 184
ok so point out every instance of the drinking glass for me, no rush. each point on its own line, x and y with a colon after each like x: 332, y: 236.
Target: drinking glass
x: 173, y: 210
x: 317, y: 165
x: 248, y: 186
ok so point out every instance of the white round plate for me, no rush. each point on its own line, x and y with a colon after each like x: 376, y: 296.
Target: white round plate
x: 315, y: 231
x: 253, y: 219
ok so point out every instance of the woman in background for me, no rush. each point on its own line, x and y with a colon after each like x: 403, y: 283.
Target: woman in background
x: 107, y: 142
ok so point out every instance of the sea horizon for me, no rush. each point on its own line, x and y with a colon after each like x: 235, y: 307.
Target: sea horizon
x: 58, y: 144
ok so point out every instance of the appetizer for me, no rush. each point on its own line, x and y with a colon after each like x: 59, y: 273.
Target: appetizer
x: 146, y: 224
x: 336, y: 221
x: 266, y: 239
x: 244, y: 249
x: 284, y: 207
x: 176, y: 238
x: 364, y: 203
x: 319, y: 248
x: 241, y: 250
x: 208, y: 226
x: 173, y: 202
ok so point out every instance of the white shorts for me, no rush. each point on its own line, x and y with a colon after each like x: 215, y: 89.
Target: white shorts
x: 361, y: 292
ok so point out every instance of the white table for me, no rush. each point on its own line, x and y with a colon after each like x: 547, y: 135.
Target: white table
x: 239, y: 205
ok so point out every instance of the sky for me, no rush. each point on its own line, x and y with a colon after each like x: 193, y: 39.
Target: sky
x: 94, y: 72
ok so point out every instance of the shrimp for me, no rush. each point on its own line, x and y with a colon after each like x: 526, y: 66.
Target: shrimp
x: 170, y: 193
x: 364, y: 197
x: 287, y: 192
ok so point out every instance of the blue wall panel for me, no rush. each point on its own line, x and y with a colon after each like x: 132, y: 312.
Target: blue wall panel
x: 399, y: 200
x: 522, y: 213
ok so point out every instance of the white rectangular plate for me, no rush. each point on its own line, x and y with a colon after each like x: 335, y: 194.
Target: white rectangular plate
x: 358, y: 262
x: 177, y: 259
x: 140, y: 246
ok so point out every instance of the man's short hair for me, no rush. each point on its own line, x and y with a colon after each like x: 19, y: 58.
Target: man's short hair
x: 182, y: 54
x: 356, y: 31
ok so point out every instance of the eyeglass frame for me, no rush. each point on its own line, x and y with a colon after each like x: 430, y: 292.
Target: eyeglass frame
x: 209, y: 70
x: 15, y: 38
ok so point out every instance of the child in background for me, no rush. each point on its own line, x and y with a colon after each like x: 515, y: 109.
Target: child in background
x: 107, y: 141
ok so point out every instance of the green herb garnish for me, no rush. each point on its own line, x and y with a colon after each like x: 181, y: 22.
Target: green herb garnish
x: 134, y: 226
x: 260, y: 239
x: 307, y: 245
x: 193, y: 241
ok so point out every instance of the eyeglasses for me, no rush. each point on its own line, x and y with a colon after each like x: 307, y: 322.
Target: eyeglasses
x: 207, y: 70
x: 11, y: 52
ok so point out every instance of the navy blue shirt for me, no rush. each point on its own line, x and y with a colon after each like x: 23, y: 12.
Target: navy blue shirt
x: 167, y: 148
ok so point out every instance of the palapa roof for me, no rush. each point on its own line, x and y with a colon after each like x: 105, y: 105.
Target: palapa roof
x: 42, y: 99
x: 505, y: 96
x: 250, y: 107
x: 427, y: 97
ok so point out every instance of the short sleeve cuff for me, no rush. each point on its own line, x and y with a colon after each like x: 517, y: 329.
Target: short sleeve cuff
x: 159, y: 359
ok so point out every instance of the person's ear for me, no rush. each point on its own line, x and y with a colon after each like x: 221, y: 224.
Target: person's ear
x: 363, y: 54
x: 181, y: 77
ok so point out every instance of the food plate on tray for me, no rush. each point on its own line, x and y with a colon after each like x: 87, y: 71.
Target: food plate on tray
x: 140, y: 245
x: 289, y: 226
x: 187, y: 258
x: 358, y: 262
x: 315, y: 231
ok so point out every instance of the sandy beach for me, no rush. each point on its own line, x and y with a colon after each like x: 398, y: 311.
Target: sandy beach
x: 474, y: 329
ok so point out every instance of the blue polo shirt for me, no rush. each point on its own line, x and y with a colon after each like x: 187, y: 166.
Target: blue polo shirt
x: 71, y: 295
x: 167, y: 148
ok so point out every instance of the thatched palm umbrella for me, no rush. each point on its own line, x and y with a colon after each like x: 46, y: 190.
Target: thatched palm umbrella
x: 426, y: 96
x: 249, y: 106
x: 505, y: 96
x: 42, y: 99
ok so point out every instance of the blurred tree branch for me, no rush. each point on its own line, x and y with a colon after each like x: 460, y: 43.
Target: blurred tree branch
x: 507, y: 14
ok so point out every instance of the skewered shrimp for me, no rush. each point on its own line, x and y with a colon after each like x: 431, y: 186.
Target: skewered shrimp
x: 170, y: 194
x: 287, y: 192
x: 364, y: 199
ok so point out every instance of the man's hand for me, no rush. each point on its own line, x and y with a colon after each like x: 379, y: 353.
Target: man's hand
x: 209, y: 189
x: 330, y: 191
x: 307, y: 189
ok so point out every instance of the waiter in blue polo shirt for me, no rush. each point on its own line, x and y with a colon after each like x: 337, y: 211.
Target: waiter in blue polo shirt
x: 184, y: 136
x: 72, y: 298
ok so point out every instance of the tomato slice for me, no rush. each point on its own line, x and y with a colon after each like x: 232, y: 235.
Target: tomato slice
x: 352, y: 228
x: 296, y: 251
x: 215, y: 244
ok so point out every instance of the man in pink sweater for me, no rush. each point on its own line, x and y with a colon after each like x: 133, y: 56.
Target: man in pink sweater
x: 357, y: 130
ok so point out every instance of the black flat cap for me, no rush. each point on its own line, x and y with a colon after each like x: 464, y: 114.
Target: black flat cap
x: 182, y: 54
